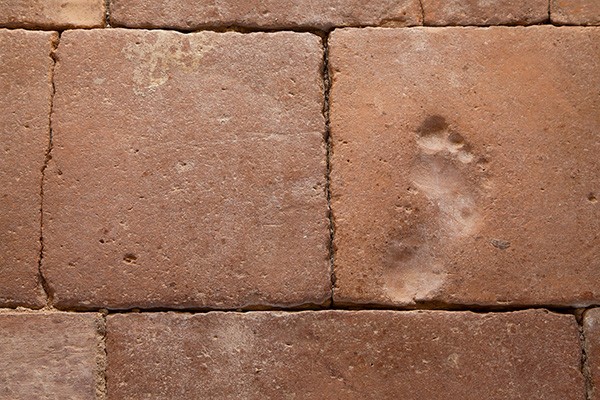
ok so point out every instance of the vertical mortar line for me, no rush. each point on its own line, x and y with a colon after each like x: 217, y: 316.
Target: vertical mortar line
x: 550, y: 11
x: 584, y: 366
x: 101, y: 358
x: 47, y: 158
x: 326, y: 114
x: 107, y: 13
x: 423, y: 12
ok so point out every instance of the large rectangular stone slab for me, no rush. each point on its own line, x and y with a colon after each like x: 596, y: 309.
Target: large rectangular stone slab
x: 52, y: 14
x: 344, y: 355
x: 591, y: 331
x: 465, y: 166
x: 575, y: 12
x: 269, y: 14
x: 25, y: 84
x: 49, y: 355
x: 484, y: 12
x: 188, y: 171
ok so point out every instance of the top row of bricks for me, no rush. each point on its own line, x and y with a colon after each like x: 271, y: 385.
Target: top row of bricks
x: 292, y: 14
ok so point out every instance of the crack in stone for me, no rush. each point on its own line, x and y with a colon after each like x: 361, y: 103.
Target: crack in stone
x: 42, y: 280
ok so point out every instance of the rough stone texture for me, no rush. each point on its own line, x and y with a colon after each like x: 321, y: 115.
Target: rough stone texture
x: 344, y: 355
x: 575, y: 12
x: 465, y: 165
x: 25, y: 68
x: 50, y: 355
x: 484, y: 12
x: 188, y: 171
x: 52, y: 14
x: 591, y: 330
x: 270, y: 14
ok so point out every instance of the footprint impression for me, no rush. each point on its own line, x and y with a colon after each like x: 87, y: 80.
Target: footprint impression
x: 445, y: 188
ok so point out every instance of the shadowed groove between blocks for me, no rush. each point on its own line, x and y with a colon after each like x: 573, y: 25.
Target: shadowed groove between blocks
x: 584, y: 366
x: 319, y: 32
x: 326, y: 114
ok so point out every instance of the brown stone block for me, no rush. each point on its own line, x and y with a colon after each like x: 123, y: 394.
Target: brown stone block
x: 269, y: 14
x: 25, y: 73
x: 188, y: 171
x: 51, y: 356
x: 484, y: 12
x: 591, y: 330
x: 465, y: 165
x: 344, y: 355
x: 575, y: 12
x: 52, y: 14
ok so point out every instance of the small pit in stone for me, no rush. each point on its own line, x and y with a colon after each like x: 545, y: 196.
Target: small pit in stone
x: 432, y: 124
x: 592, y: 198
x: 500, y: 244
x: 130, y: 258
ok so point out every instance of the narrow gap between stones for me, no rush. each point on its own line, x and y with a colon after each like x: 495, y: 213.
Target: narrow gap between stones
x: 356, y: 308
x: 102, y: 359
x: 48, y: 157
x: 231, y: 28
x: 299, y: 29
x: 422, y: 12
x: 584, y: 365
x: 107, y: 13
x: 326, y: 115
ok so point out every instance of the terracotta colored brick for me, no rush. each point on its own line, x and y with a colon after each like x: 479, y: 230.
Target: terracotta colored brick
x: 575, y: 12
x: 465, y: 165
x: 344, y: 355
x: 591, y: 328
x: 270, y: 14
x: 52, y: 14
x: 187, y: 171
x: 25, y: 69
x: 50, y: 355
x: 484, y: 12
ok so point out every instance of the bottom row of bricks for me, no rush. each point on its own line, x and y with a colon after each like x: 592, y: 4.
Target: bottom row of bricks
x: 533, y: 354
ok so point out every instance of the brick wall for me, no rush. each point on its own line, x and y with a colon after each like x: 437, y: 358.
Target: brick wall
x: 300, y: 199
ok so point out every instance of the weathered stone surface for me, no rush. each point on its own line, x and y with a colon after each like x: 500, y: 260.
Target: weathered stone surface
x: 575, y: 12
x: 465, y: 165
x: 52, y: 14
x: 484, y: 12
x: 271, y: 14
x: 591, y: 327
x: 25, y: 67
x: 187, y: 171
x: 344, y: 355
x: 50, y: 355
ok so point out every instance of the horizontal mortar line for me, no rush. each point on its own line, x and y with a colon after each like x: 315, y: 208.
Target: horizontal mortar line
x: 314, y: 30
x: 363, y: 308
